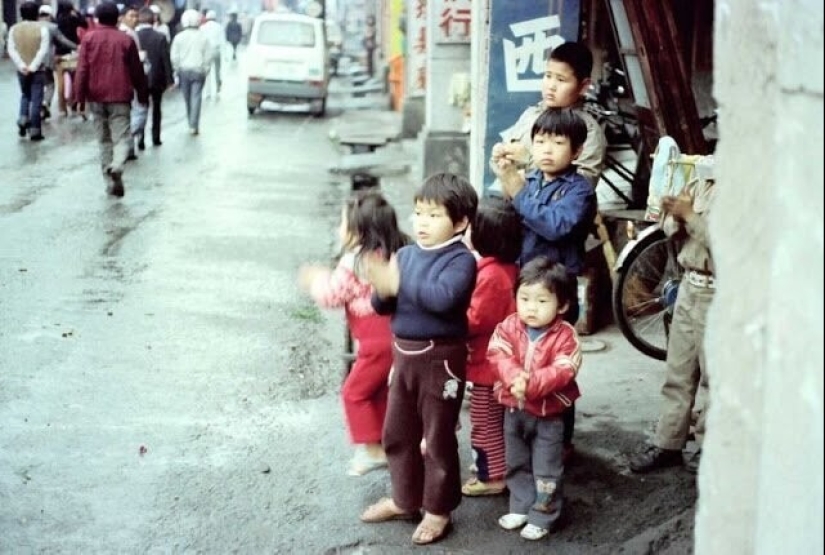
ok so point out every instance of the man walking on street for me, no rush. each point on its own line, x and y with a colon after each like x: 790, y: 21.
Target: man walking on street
x: 191, y: 61
x: 160, y: 75
x: 29, y: 44
x: 214, y: 34
x: 109, y: 72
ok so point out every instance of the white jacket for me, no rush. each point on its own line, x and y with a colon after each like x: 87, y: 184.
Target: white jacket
x: 214, y: 34
x: 191, y: 51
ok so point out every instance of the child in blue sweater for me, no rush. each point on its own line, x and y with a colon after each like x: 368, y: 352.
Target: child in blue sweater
x: 427, y: 288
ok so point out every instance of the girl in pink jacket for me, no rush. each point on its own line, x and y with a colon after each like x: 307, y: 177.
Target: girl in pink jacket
x: 368, y: 224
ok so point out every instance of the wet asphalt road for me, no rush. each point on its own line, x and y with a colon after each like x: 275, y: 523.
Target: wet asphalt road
x: 164, y: 388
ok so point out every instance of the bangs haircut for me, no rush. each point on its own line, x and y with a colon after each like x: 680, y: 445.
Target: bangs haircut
x: 452, y: 192
x: 553, y: 276
x: 496, y: 230
x: 372, y: 220
x: 577, y: 56
x: 563, y: 122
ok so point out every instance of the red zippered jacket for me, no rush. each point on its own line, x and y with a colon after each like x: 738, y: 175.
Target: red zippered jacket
x: 552, y: 361
x: 109, y: 68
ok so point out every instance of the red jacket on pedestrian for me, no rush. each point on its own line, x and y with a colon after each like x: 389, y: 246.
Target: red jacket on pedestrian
x: 493, y: 300
x: 109, y: 68
x: 552, y: 361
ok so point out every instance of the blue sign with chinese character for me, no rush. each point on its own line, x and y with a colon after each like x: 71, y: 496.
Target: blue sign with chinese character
x: 522, y: 34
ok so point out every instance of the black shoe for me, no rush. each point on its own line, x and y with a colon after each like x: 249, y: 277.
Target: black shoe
x: 141, y: 144
x: 156, y: 142
x: 132, y: 156
x: 45, y: 112
x: 38, y: 137
x: 21, y: 129
x: 115, y: 187
x: 654, y: 458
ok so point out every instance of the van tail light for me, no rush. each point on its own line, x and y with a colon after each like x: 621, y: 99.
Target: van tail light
x: 318, y: 84
x: 251, y: 78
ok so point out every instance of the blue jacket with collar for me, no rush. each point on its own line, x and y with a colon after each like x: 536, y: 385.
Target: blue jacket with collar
x: 556, y: 217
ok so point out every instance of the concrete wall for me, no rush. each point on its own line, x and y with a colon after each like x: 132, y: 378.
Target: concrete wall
x: 761, y: 480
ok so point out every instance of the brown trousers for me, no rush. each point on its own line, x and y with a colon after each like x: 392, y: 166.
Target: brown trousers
x: 426, y: 391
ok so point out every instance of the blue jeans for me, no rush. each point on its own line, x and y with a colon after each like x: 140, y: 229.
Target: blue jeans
x: 31, y: 98
x: 191, y: 87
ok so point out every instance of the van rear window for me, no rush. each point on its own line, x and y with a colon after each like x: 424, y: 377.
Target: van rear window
x: 286, y: 33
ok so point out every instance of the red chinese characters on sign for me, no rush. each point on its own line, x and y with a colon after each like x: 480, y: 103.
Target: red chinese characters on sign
x: 417, y: 55
x: 454, y: 18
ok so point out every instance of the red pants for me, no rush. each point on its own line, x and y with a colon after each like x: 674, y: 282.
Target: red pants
x: 364, y: 394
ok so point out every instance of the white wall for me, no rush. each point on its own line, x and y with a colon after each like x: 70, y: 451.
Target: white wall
x: 761, y: 479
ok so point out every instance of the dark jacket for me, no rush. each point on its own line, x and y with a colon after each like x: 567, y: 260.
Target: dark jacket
x: 434, y: 293
x: 233, y: 32
x: 109, y: 68
x: 68, y: 23
x: 160, y: 75
x: 556, y: 217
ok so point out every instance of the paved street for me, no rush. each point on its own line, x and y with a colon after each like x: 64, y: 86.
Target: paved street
x: 164, y: 388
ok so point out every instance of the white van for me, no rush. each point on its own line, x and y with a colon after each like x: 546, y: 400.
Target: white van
x: 287, y: 62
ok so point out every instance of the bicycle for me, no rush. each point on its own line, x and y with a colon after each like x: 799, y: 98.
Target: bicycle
x: 647, y: 276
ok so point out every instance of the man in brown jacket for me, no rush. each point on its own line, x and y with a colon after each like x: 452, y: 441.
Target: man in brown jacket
x: 109, y: 72
x: 29, y: 45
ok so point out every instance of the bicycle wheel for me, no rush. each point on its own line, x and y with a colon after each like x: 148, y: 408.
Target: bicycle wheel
x: 644, y: 294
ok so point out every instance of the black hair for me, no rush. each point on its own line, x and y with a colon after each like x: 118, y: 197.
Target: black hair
x: 555, y: 277
x: 64, y: 8
x: 128, y: 8
x: 146, y: 15
x: 563, y: 122
x: 451, y: 191
x: 29, y: 11
x: 496, y: 230
x: 372, y: 220
x: 577, y: 56
x: 107, y: 14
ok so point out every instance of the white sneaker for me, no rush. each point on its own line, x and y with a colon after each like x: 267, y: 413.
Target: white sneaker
x: 533, y: 532
x: 512, y: 521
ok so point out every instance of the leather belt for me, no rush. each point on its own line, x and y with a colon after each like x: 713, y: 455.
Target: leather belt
x: 700, y: 279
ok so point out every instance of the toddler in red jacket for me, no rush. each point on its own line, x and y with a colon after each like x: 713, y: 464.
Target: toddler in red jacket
x: 536, y: 354
x: 495, y: 238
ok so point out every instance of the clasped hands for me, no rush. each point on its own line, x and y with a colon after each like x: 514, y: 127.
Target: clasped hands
x: 680, y: 207
x: 506, y: 159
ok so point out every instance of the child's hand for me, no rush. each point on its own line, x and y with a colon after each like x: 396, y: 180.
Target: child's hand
x: 519, y: 386
x: 518, y: 154
x: 308, y: 274
x: 382, y: 274
x: 680, y: 207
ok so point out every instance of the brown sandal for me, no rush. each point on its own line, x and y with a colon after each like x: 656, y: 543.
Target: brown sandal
x: 429, y: 531
x: 385, y: 510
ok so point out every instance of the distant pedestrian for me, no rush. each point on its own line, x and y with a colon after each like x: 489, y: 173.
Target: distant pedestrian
x: 158, y: 24
x: 109, y: 74
x: 370, y: 44
x: 495, y: 237
x: 234, y: 33
x: 160, y: 76
x: 29, y: 44
x: 214, y: 34
x: 56, y: 38
x: 72, y: 25
x: 368, y: 225
x: 191, y: 60
x: 427, y: 288
x: 536, y: 355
